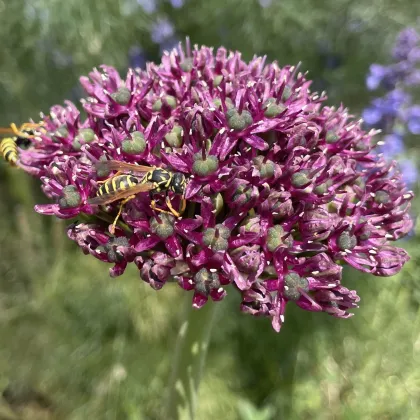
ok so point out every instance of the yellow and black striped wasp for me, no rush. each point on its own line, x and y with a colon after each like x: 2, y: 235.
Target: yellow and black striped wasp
x: 21, y: 138
x: 125, y: 187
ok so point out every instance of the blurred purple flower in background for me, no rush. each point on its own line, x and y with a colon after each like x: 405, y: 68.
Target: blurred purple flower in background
x: 177, y: 4
x: 395, y: 112
x: 162, y: 30
x: 149, y: 6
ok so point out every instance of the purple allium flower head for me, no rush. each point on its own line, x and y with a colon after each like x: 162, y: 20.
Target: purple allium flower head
x: 281, y: 190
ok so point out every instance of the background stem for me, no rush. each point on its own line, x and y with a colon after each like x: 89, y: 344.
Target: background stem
x: 189, y: 358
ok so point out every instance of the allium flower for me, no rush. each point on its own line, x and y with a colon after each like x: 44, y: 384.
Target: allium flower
x: 281, y: 190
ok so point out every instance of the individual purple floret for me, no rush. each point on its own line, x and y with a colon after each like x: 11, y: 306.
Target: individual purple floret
x: 281, y: 191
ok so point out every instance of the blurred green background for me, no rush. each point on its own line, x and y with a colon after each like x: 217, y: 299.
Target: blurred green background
x: 76, y: 344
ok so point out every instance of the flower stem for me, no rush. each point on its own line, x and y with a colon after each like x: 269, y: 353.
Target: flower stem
x: 189, y: 358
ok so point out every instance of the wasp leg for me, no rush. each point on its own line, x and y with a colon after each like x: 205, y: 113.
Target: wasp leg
x: 112, y: 230
x: 182, y: 207
x: 26, y: 126
x: 112, y: 176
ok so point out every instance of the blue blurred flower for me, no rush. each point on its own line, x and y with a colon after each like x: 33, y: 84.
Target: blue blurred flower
x: 406, y: 41
x: 149, y: 6
x: 394, y: 145
x: 413, y: 120
x: 137, y: 57
x: 265, y: 3
x: 177, y: 4
x: 409, y: 171
x: 375, y: 76
x: 162, y: 30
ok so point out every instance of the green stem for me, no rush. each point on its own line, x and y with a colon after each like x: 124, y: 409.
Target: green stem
x: 189, y: 358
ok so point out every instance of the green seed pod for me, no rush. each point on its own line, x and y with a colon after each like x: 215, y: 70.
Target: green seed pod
x: 274, y: 236
x: 205, y: 281
x: 299, y: 179
x: 321, y: 188
x: 217, y: 80
x: 62, y: 131
x: 267, y: 169
x: 135, y: 145
x: 171, y: 101
x: 287, y: 93
x: 205, y: 167
x: 231, y: 113
x: 331, y: 137
x: 122, y: 96
x: 174, y: 138
x: 165, y: 228
x: 381, y: 197
x: 157, y: 106
x: 217, y: 201
x: 346, y: 241
x: 102, y: 171
x: 85, y: 135
x: 293, y: 283
x: 71, y: 197
x: 272, y: 109
x: 187, y: 65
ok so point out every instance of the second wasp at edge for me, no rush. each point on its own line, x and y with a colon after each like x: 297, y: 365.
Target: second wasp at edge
x: 20, y: 139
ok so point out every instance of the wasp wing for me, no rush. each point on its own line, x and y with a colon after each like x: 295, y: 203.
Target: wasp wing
x: 116, y: 165
x: 115, y: 196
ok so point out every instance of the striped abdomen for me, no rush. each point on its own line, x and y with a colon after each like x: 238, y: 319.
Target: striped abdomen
x: 9, y: 150
x: 118, y: 183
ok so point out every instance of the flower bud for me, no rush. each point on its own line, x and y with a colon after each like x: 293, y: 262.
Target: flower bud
x: 381, y: 197
x: 135, y: 145
x: 275, y: 238
x: 122, y: 96
x: 205, y: 281
x: 216, y: 238
x: 293, y: 285
x: 237, y: 121
x: 71, y: 197
x: 174, y: 138
x: 271, y: 109
x: 346, y: 241
x: 205, y: 167
x: 85, y: 135
x: 300, y: 179
x: 163, y: 225
x: 247, y: 259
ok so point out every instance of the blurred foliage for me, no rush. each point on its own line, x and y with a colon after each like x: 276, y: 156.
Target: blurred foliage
x: 101, y: 348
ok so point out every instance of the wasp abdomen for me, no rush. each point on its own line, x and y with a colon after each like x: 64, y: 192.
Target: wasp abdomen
x: 118, y: 183
x: 9, y: 150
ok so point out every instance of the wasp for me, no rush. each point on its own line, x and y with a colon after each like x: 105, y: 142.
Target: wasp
x: 22, y: 135
x: 125, y: 186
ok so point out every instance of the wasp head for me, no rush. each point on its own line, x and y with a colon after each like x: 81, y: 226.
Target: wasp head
x: 178, y: 183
